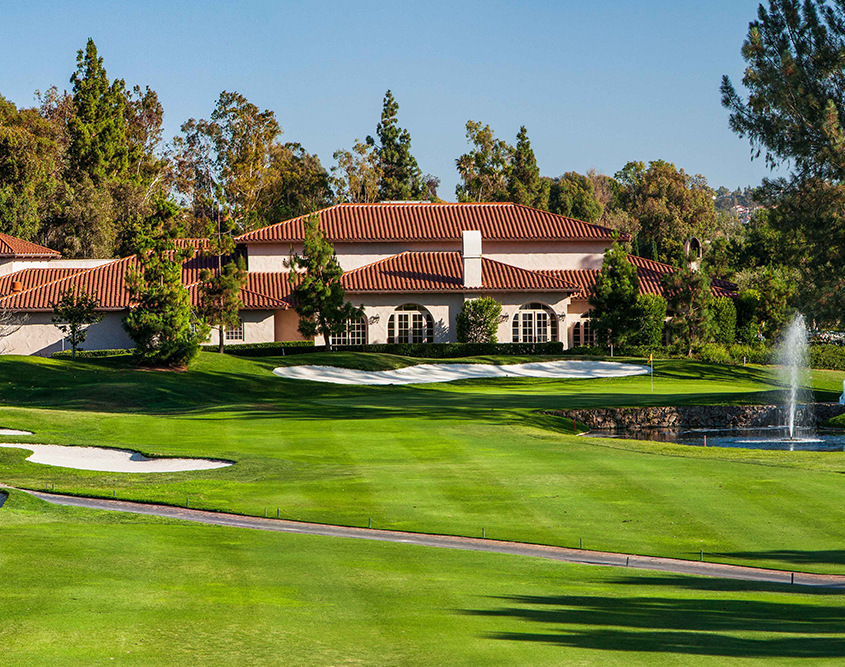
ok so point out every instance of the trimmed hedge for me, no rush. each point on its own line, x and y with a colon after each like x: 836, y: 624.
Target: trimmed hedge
x: 279, y: 348
x: 89, y: 354
x: 424, y: 350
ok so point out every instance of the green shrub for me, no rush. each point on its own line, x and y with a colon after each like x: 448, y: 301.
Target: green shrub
x: 752, y: 354
x: 651, y: 313
x: 425, y: 350
x: 724, y: 315
x: 280, y: 348
x: 89, y: 354
x: 830, y: 357
x: 715, y: 354
x: 478, y: 320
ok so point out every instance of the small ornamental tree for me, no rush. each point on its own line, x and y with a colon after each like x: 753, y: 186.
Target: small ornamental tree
x: 724, y: 318
x: 651, y: 316
x: 317, y: 290
x: 161, y: 322
x: 478, y: 320
x: 73, y: 314
x: 220, y: 297
x: 614, y: 298
x: 690, y: 301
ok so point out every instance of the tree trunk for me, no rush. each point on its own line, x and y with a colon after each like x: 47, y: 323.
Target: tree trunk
x: 221, y: 348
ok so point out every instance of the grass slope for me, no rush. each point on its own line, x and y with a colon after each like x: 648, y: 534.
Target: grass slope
x: 83, y: 587
x: 451, y: 458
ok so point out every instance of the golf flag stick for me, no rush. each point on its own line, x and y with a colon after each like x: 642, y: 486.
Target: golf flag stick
x: 651, y: 363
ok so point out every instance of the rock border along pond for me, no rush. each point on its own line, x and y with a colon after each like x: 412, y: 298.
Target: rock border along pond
x: 690, y: 416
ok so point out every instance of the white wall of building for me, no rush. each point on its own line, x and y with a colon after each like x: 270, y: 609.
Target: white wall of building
x: 258, y: 328
x: 533, y: 255
x: 41, y: 337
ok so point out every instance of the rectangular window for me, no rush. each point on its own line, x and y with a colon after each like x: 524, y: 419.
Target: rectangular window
x: 527, y: 328
x: 542, y: 327
x: 235, y: 333
x: 357, y: 333
x: 403, y: 335
x: 419, y: 328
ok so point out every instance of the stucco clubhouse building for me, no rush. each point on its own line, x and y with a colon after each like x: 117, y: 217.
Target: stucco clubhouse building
x: 410, y: 264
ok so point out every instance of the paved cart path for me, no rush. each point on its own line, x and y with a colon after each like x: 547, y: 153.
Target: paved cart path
x: 451, y: 542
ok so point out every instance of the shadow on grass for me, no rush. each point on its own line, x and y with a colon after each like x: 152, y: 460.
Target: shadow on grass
x: 828, y: 557
x: 675, y: 622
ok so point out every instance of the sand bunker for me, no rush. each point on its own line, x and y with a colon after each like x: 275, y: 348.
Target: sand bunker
x: 448, y: 372
x: 110, y: 460
x: 12, y: 431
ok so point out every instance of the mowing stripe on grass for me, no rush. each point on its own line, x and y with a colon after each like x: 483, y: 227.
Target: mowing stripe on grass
x: 453, y: 542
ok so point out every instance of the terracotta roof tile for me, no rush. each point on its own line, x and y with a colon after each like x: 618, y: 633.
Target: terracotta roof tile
x: 423, y: 221
x: 106, y: 282
x: 29, y: 278
x: 15, y: 247
x: 443, y: 272
x: 262, y: 291
x: 649, y: 273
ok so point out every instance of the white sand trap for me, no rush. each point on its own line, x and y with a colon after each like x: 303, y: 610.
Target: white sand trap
x: 447, y: 372
x: 12, y: 431
x: 110, y: 460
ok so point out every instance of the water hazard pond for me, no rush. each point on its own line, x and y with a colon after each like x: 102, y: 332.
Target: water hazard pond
x: 773, y: 438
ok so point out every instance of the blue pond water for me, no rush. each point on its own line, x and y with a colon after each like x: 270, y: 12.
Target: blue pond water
x: 775, y: 438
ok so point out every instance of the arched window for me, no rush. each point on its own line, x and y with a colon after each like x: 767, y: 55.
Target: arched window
x: 582, y: 333
x: 410, y: 324
x: 354, y: 334
x: 534, y: 323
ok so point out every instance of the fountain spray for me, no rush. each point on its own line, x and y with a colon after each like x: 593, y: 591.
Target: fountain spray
x: 793, y: 358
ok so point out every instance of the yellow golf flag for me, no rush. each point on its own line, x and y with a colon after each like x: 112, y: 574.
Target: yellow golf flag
x: 649, y: 358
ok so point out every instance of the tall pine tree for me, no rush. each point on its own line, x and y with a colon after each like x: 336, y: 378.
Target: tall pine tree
x: 315, y: 277
x: 97, y: 130
x: 401, y: 178
x: 524, y: 183
x: 161, y: 322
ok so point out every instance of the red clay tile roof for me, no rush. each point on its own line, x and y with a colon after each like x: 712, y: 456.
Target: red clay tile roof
x: 649, y: 273
x: 443, y: 272
x: 262, y: 291
x: 29, y: 278
x: 423, y: 221
x: 106, y: 282
x: 18, y: 248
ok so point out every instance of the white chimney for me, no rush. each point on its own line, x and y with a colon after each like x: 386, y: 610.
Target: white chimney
x: 471, y: 253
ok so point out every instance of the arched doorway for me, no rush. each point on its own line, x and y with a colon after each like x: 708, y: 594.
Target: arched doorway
x: 534, y: 323
x: 410, y: 323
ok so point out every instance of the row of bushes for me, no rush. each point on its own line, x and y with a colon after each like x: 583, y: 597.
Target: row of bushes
x: 277, y: 349
x: 426, y: 350
x: 89, y: 354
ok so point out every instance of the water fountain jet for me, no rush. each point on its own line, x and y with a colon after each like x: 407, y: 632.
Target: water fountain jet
x: 793, y: 359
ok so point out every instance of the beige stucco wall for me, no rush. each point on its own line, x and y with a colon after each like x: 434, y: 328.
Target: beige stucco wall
x: 577, y: 309
x: 537, y: 255
x: 286, y: 323
x: 258, y: 328
x: 40, y: 336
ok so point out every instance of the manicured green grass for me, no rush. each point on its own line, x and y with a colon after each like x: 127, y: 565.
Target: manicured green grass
x: 82, y: 587
x: 452, y: 458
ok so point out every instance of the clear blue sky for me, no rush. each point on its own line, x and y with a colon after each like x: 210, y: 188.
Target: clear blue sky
x: 596, y: 84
